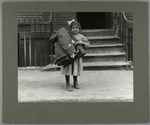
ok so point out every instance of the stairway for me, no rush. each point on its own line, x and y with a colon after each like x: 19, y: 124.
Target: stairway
x: 105, y: 52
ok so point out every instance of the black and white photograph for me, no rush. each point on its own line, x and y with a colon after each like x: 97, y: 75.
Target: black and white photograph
x: 75, y: 57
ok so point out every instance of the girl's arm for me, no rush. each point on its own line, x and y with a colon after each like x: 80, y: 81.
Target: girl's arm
x: 84, y: 41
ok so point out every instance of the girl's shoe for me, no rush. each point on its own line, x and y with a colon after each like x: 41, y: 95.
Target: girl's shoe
x: 76, y: 85
x: 68, y: 87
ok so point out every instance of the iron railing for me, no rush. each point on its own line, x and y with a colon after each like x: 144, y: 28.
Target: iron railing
x: 130, y: 44
x: 124, y: 30
x: 34, y: 46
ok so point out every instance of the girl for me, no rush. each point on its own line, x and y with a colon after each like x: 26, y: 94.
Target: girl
x: 76, y: 67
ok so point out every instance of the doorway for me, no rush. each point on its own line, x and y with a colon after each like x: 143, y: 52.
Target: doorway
x: 95, y: 20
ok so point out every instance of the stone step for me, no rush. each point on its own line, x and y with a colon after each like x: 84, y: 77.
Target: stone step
x: 102, y: 37
x: 98, y: 32
x: 93, y: 66
x: 104, y: 41
x: 104, y: 48
x: 104, y: 57
x: 106, y: 65
x: 100, y: 40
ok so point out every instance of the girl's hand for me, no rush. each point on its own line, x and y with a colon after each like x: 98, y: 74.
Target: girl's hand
x: 80, y: 42
x: 72, y: 56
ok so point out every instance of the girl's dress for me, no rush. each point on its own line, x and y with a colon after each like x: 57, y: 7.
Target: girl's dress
x: 76, y: 68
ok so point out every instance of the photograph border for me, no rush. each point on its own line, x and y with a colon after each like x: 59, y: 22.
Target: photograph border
x: 75, y: 113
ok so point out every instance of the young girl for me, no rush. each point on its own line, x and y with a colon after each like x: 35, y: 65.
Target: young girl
x: 76, y: 67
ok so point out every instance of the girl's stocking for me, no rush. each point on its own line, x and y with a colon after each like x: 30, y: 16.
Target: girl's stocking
x: 76, y: 85
x: 68, y: 86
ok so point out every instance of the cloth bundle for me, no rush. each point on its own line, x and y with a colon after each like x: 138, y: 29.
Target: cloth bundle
x: 66, y: 51
x: 79, y: 48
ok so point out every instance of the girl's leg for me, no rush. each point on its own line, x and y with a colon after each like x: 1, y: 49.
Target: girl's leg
x: 76, y: 85
x: 68, y: 86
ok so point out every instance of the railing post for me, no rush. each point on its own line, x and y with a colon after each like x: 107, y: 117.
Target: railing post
x: 40, y: 45
x: 35, y: 41
x: 129, y: 46
x: 125, y: 39
x: 45, y: 43
x: 30, y: 50
x: 120, y: 28
x: 116, y: 23
x: 24, y: 44
x: 122, y: 33
x: 130, y: 43
x: 19, y: 60
x: 51, y: 41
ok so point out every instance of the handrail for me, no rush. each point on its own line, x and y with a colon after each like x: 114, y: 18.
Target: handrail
x: 127, y: 37
x: 126, y: 18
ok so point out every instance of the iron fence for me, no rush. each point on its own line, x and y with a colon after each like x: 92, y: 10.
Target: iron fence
x: 130, y: 44
x: 125, y: 33
x: 34, y: 46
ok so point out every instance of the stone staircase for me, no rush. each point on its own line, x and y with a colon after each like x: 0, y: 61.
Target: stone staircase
x: 105, y: 52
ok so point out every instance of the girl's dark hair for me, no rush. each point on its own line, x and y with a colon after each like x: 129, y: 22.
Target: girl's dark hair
x: 75, y: 23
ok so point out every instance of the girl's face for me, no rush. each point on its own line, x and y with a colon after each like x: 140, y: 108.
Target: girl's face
x: 75, y: 29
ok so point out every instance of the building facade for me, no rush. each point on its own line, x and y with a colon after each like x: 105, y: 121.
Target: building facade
x: 35, y: 29
x: 88, y: 20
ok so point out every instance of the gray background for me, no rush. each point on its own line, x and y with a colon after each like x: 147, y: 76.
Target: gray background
x: 1, y: 45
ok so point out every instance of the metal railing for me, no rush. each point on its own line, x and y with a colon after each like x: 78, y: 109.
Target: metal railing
x: 130, y: 44
x: 34, y: 46
x: 125, y: 33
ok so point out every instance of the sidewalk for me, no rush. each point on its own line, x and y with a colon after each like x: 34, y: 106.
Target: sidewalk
x: 95, y: 86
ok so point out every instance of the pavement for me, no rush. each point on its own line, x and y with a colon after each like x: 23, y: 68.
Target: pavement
x: 95, y: 86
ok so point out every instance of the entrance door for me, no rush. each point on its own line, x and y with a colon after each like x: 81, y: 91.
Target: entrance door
x: 94, y: 20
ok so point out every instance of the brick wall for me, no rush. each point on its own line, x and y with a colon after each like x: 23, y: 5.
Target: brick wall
x: 60, y: 19
x: 27, y: 21
x: 33, y: 14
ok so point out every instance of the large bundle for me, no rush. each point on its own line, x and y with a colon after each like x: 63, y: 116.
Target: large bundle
x: 65, y: 49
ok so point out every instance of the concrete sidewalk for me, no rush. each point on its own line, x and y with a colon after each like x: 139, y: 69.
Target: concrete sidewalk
x: 95, y: 86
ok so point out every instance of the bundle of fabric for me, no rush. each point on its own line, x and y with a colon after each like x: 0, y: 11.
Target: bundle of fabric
x: 64, y: 48
x: 79, y: 48
x: 66, y: 51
